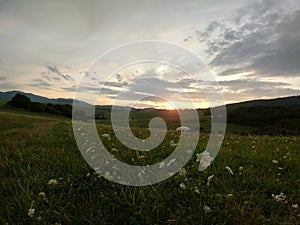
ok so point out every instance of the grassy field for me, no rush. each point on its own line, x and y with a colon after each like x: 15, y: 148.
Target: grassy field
x: 44, y: 180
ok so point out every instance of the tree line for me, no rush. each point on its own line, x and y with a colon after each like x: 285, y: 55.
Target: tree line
x: 268, y: 120
x: 24, y: 102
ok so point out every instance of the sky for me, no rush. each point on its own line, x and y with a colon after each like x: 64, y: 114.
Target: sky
x: 251, y: 48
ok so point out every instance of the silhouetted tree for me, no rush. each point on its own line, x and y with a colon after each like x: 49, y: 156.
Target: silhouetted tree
x: 20, y: 101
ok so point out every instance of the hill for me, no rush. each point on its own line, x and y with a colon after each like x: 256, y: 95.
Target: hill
x: 37, y: 98
x: 277, y: 102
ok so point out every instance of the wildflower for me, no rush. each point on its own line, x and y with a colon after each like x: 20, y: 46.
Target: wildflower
x: 182, y: 129
x: 241, y: 168
x: 229, y: 195
x: 105, y: 135
x: 207, y: 209
x: 182, y: 172
x: 171, y: 161
x: 52, y: 182
x: 275, y: 161
x: 162, y: 164
x: 209, y: 179
x: 295, y: 206
x: 107, y: 175
x: 279, y: 198
x: 197, y: 190
x: 172, y: 143
x: 205, y: 159
x: 42, y: 195
x: 30, y: 212
x: 229, y: 170
x: 182, y: 186
x: 280, y: 168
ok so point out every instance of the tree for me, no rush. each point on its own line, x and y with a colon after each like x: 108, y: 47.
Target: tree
x: 20, y: 101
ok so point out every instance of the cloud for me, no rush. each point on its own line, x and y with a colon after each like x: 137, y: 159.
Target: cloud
x: 3, y: 78
x: 54, y: 70
x: 262, y: 37
x: 40, y: 83
x: 249, y: 89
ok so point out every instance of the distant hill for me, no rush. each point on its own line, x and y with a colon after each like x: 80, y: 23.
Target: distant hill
x: 7, y: 96
x: 277, y: 102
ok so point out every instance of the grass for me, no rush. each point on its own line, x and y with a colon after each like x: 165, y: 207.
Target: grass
x: 35, y: 149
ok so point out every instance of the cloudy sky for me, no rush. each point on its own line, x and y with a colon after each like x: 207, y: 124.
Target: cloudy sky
x: 251, y: 47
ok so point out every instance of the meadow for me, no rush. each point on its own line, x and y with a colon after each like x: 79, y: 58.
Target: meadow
x: 44, y: 179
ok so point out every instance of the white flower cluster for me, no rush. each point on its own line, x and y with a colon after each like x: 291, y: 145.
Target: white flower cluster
x: 207, y: 209
x: 279, y: 198
x: 205, y: 159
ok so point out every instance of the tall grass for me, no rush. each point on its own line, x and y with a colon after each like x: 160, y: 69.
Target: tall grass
x: 42, y: 169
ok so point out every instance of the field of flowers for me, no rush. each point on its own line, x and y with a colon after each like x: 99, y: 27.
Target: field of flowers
x: 45, y: 180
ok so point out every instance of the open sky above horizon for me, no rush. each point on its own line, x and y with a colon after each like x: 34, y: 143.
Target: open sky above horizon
x: 252, y: 47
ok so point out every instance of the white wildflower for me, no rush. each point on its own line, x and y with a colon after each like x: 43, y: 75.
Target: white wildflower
x: 275, y: 161
x: 42, y: 195
x: 229, y: 170
x: 171, y: 161
x: 205, y: 159
x: 52, y: 182
x: 295, y: 206
x: 30, y: 212
x: 182, y: 186
x: 107, y: 175
x: 172, y: 143
x: 279, y: 198
x: 162, y: 164
x: 182, y: 129
x: 207, y: 209
x: 182, y: 172
x: 105, y: 135
x: 229, y: 195
x: 209, y: 179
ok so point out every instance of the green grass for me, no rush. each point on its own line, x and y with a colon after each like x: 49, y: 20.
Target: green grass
x: 37, y: 148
